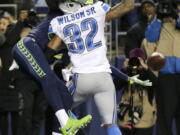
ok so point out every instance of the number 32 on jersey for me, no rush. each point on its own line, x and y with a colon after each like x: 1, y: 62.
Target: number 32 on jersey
x: 78, y: 44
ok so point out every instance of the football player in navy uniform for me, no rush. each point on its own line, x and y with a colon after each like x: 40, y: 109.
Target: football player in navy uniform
x: 32, y: 55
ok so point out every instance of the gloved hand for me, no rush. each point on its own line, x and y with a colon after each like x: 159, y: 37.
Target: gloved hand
x: 134, y: 79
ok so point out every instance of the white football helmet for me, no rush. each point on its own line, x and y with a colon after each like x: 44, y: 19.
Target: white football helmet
x: 71, y: 6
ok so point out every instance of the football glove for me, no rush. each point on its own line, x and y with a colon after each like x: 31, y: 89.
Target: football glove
x: 134, y: 79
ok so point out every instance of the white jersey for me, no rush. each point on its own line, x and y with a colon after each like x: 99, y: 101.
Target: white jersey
x: 83, y: 33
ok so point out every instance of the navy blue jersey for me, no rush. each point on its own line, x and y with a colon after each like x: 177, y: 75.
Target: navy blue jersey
x: 40, y: 33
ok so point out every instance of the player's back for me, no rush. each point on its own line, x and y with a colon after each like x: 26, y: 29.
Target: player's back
x: 83, y: 33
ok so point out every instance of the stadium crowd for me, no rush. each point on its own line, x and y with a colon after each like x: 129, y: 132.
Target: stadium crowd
x: 153, y: 26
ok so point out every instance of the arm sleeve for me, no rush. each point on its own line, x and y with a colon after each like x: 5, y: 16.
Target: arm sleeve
x: 54, y: 29
x: 105, y: 7
x: 117, y: 73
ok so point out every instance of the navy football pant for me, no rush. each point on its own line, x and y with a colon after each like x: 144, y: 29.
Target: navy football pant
x: 31, y: 60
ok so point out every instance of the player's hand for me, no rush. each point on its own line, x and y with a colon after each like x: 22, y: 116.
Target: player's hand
x: 134, y: 79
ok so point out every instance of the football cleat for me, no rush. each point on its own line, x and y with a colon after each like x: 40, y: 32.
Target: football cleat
x: 73, y: 125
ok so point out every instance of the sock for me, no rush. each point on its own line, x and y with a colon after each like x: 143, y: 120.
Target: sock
x: 54, y: 133
x: 62, y: 117
x: 113, y: 130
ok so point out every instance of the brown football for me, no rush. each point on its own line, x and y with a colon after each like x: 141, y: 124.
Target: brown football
x: 156, y: 61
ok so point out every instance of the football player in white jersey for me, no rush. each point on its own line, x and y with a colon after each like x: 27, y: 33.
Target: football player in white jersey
x: 82, y: 30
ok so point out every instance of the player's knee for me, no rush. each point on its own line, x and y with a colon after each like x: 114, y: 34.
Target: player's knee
x: 113, y: 130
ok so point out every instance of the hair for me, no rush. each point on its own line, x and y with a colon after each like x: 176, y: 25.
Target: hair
x: 7, y: 18
x: 149, y: 2
x: 137, y: 52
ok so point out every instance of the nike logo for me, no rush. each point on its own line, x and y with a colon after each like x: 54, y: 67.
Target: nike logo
x: 69, y: 128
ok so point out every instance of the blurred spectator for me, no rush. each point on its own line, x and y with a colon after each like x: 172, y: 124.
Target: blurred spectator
x: 4, y: 22
x: 162, y: 36
x: 9, y: 102
x: 6, y: 1
x: 33, y: 113
x: 26, y: 21
x: 137, y: 106
x: 136, y: 33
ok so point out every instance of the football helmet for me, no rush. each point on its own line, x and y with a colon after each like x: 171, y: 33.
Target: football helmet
x: 71, y: 6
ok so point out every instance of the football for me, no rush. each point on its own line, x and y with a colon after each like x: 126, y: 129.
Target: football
x: 156, y: 61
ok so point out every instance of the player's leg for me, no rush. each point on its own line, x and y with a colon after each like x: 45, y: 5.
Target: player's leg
x: 101, y: 86
x: 73, y: 117
x: 79, y: 88
x: 56, y: 127
x: 30, y: 57
x: 105, y: 99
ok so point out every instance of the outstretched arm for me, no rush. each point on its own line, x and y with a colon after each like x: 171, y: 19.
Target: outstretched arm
x: 120, y: 9
x: 131, y: 80
x: 117, y: 73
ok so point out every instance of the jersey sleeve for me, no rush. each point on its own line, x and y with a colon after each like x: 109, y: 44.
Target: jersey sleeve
x: 104, y: 6
x: 54, y: 29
